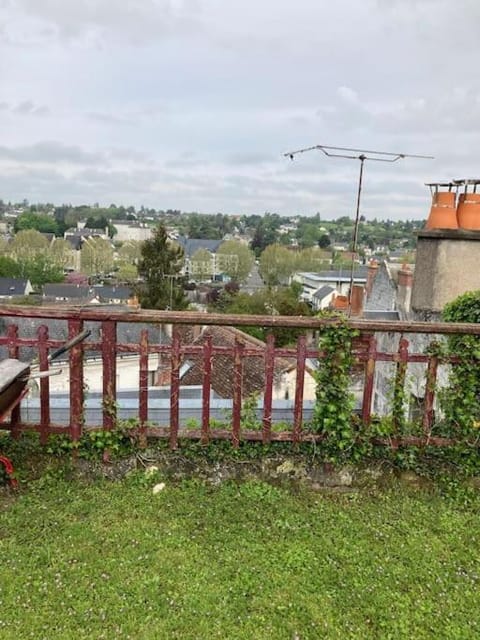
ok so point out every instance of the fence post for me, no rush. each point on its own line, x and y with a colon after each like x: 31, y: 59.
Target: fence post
x: 143, y: 388
x: 76, y: 382
x: 237, y: 391
x: 369, y: 381
x: 175, y: 388
x: 13, y: 352
x: 44, y: 383
x: 398, y: 408
x: 206, y: 387
x: 430, y: 383
x: 109, y: 357
x: 268, y: 395
x: 299, y: 384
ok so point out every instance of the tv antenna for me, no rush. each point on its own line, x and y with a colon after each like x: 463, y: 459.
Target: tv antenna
x: 361, y: 155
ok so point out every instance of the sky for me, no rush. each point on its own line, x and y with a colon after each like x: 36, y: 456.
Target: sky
x: 191, y: 104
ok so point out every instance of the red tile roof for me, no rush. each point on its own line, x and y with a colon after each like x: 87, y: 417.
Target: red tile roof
x: 222, y: 364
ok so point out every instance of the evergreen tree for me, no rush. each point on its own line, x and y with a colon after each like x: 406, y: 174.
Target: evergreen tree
x: 160, y: 267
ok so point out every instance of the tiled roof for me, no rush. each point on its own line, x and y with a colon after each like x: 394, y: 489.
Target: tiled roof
x: 13, y: 286
x: 323, y: 292
x: 192, y: 245
x: 107, y: 292
x: 67, y: 291
x: 222, y: 364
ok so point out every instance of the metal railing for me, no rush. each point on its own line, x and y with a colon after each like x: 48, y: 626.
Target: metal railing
x: 367, y: 349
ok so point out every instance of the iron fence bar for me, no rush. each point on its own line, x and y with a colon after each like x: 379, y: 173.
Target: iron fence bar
x: 14, y: 352
x: 299, y: 386
x: 268, y: 395
x: 109, y: 357
x: 175, y: 389
x: 143, y: 385
x: 399, y: 384
x: 237, y: 392
x: 75, y: 326
x: 192, y: 318
x: 430, y: 383
x: 369, y: 381
x: 206, y: 388
x: 44, y: 383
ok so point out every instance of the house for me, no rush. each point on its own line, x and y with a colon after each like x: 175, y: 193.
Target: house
x: 388, y: 288
x: 322, y: 297
x: 12, y: 287
x: 192, y: 370
x: 338, y: 279
x: 191, y: 246
x: 446, y: 267
x: 77, y: 237
x: 131, y: 230
x: 71, y: 293
x: 116, y: 294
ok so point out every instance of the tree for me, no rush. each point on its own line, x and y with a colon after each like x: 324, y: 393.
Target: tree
x: 130, y: 251
x: 235, y: 260
x: 308, y: 234
x: 9, y: 268
x: 265, y: 233
x: 277, y: 264
x: 40, y: 269
x: 61, y: 253
x: 312, y: 259
x: 127, y: 272
x: 96, y: 256
x: 27, y: 244
x: 274, y: 301
x: 160, y: 267
x: 324, y: 241
x: 39, y: 221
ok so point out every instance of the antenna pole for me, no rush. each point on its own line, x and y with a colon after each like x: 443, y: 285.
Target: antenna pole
x: 355, y: 232
x: 379, y: 156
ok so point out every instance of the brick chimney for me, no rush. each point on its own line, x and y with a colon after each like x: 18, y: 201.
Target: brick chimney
x: 339, y: 303
x: 356, y: 300
x: 372, y: 271
x: 404, y: 291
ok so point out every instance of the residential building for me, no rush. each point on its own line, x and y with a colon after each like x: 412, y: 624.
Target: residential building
x: 14, y: 287
x: 131, y: 230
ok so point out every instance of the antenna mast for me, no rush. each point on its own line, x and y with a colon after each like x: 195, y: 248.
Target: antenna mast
x: 361, y: 155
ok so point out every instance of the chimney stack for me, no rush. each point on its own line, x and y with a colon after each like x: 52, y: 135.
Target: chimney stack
x: 405, y: 283
x: 356, y: 300
x: 371, y: 273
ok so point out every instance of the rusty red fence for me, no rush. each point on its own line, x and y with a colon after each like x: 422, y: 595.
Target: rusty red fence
x: 368, y: 355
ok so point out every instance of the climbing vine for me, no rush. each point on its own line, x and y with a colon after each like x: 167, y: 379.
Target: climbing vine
x: 334, y: 401
x: 460, y: 400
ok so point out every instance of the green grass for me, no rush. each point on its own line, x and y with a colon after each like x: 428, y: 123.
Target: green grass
x: 112, y: 560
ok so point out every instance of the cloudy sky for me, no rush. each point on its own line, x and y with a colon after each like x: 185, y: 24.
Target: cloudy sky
x: 190, y: 104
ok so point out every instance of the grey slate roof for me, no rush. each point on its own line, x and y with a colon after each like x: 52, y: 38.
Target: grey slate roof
x: 67, y: 291
x: 191, y: 245
x: 110, y: 292
x: 381, y: 315
x: 75, y: 241
x: 360, y: 273
x: 13, y: 286
x: 323, y: 292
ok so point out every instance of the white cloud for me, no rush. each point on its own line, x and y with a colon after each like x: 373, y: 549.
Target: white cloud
x: 191, y: 103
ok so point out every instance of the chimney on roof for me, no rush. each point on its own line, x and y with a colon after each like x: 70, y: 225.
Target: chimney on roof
x: 446, y: 266
x: 371, y: 273
x: 356, y: 300
x: 404, y: 290
x: 340, y: 303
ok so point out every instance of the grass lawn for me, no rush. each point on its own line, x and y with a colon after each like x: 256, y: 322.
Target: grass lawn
x: 113, y: 560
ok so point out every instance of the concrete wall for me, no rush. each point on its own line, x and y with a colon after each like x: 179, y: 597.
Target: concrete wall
x: 447, y: 265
